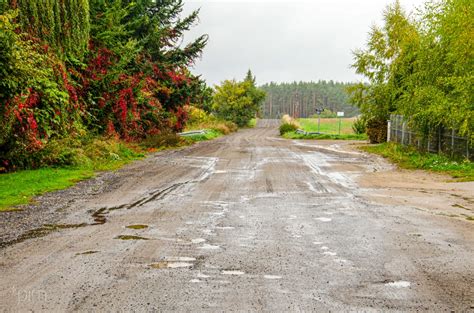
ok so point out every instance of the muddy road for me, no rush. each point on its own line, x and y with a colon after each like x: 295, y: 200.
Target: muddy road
x: 249, y: 222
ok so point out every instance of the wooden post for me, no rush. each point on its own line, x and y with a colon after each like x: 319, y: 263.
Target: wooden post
x: 389, y: 128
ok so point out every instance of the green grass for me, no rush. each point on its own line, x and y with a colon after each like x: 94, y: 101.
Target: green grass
x: 294, y: 135
x: 20, y: 187
x: 410, y: 158
x: 327, y: 125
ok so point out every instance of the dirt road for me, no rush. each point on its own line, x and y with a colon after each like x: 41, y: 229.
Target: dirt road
x: 250, y: 222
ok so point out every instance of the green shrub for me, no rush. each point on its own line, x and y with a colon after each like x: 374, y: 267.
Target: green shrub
x: 287, y: 127
x: 359, y: 126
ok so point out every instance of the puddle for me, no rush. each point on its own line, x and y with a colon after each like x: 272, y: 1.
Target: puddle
x: 323, y: 219
x: 318, y: 243
x: 87, y: 252
x: 179, y: 264
x: 225, y: 227
x: 398, y: 284
x: 138, y: 226
x: 208, y: 232
x: 329, y: 253
x: 198, y: 240
x: 232, y: 272
x: 172, y: 265
x: 324, y: 248
x: 180, y: 259
x: 130, y: 237
x: 272, y: 277
x: 194, y: 281
x: 202, y: 276
x: 209, y: 247
x: 41, y: 232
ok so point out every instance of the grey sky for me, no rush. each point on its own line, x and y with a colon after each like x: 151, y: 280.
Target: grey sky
x: 284, y: 40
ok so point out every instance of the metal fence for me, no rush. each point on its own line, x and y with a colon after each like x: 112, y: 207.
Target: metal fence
x: 438, y: 140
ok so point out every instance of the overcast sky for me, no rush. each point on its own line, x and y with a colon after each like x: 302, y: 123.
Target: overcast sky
x: 284, y: 41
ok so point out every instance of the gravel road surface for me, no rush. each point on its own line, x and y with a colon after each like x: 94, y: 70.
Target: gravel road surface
x: 248, y: 222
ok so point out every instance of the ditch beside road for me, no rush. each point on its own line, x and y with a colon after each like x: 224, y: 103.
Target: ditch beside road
x: 246, y: 222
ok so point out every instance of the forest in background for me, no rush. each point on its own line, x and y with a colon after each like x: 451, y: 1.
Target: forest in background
x: 301, y: 99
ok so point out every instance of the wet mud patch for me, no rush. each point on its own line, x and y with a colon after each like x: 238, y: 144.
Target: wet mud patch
x: 87, y: 252
x: 41, y: 232
x: 131, y: 237
x: 137, y: 226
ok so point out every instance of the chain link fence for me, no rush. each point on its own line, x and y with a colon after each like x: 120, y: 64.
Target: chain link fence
x: 438, y: 140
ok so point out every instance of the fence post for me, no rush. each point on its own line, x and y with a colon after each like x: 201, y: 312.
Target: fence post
x: 389, y: 130
x: 403, y: 133
x: 467, y: 148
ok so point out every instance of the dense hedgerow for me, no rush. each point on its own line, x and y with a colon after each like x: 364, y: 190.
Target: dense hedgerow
x: 113, y: 68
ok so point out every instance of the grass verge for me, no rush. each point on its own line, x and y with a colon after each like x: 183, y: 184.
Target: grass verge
x: 20, y: 187
x: 294, y: 135
x: 410, y: 158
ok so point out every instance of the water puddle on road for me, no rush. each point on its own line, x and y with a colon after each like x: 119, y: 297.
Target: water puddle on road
x: 198, y: 240
x: 87, y: 252
x: 232, y: 272
x: 398, y: 284
x: 170, y: 265
x: 323, y: 219
x: 42, y: 231
x: 330, y: 253
x: 272, y: 277
x: 138, y: 226
x: 209, y: 247
x: 131, y: 237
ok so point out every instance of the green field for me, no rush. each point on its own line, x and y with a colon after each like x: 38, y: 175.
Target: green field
x: 327, y: 125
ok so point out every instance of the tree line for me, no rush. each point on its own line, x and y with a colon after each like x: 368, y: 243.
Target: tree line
x: 302, y: 99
